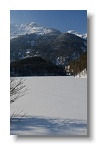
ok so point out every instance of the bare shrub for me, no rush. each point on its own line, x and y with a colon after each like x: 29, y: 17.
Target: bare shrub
x: 17, y: 88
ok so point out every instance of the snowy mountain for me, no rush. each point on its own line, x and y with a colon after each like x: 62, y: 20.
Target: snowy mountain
x: 32, y: 40
x: 31, y: 28
x: 78, y: 34
x: 61, y: 47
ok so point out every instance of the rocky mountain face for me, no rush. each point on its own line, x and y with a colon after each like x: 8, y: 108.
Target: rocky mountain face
x: 31, y: 40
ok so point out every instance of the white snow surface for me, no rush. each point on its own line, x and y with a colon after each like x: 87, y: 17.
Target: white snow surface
x: 53, y: 105
x: 82, y: 74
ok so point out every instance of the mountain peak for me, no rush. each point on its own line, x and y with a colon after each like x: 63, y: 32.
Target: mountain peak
x: 84, y: 36
x: 33, y: 24
x: 31, y: 28
x: 71, y: 31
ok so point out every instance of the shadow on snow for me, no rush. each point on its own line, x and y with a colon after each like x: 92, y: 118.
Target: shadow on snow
x: 51, y: 126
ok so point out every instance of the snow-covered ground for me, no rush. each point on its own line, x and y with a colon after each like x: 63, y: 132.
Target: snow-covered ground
x: 82, y: 74
x: 48, y: 126
x: 53, y: 106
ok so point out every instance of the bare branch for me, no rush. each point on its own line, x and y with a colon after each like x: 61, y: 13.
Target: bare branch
x: 17, y: 88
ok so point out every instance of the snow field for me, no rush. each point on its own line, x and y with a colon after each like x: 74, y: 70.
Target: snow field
x: 50, y: 104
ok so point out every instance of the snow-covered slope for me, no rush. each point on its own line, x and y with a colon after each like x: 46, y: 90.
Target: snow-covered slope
x: 78, y: 34
x: 82, y: 74
x: 22, y: 29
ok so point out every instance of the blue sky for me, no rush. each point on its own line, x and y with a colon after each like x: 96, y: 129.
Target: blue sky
x: 62, y: 20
